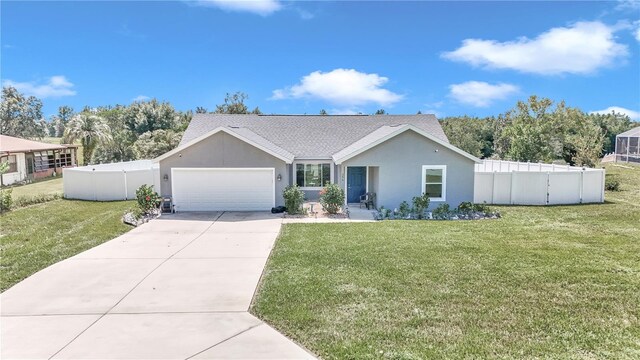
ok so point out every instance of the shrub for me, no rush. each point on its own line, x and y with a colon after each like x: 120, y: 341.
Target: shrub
x: 611, y: 183
x: 442, y: 212
x: 23, y: 201
x: 147, y: 198
x: 404, y: 209
x: 384, y: 213
x: 332, y: 198
x: 6, y: 201
x: 466, y: 207
x: 136, y: 212
x: 420, y: 205
x: 483, y: 208
x: 293, y: 199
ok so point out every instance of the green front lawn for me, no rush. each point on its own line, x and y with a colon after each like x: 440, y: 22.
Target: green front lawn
x: 37, y: 236
x: 49, y: 186
x: 550, y: 282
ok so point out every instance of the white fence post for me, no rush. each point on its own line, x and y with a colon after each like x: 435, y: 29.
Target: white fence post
x: 548, y: 179
x: 95, y: 185
x: 124, y: 173
x: 581, y: 185
x: 493, y: 187
x: 511, y: 189
x: 602, y: 178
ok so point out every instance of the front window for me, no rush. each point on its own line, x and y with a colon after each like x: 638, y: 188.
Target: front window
x: 11, y: 163
x: 434, y: 181
x: 313, y: 175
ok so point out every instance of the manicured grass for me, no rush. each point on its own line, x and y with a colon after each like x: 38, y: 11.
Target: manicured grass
x: 37, y: 236
x: 48, y: 186
x: 542, y: 282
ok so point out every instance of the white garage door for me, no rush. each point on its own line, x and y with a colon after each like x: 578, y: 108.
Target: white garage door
x: 216, y: 189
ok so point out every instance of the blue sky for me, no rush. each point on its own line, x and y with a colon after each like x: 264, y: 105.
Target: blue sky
x: 448, y: 58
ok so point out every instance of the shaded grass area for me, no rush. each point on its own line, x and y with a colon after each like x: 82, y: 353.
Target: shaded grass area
x: 551, y: 282
x: 37, y: 236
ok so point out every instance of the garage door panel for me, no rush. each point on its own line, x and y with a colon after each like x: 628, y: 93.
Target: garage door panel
x: 223, y: 189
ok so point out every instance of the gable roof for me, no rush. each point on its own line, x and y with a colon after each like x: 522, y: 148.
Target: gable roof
x: 309, y: 136
x: 10, y: 144
x: 385, y: 133
x: 243, y: 134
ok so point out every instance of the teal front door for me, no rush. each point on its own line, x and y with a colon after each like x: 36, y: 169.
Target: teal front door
x: 356, y: 183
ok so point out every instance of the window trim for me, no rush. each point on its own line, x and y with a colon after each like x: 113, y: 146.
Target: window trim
x: 423, y: 180
x: 5, y: 158
x: 311, y: 162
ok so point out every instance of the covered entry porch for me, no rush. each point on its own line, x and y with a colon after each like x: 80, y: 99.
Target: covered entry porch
x: 360, y: 183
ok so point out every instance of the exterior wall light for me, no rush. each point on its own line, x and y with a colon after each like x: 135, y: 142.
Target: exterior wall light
x: 166, y: 177
x: 279, y: 177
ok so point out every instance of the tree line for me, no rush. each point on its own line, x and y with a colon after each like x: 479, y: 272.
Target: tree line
x: 534, y: 130
x: 141, y: 130
x: 538, y: 130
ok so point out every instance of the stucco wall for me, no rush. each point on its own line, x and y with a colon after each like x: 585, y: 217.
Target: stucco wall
x: 400, y: 161
x: 224, y: 150
x: 373, y: 181
x: 20, y: 174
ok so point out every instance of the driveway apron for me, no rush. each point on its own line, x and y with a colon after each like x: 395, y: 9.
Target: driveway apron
x: 178, y: 287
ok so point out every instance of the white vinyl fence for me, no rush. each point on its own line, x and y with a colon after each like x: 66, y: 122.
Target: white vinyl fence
x: 105, y: 182
x: 518, y: 183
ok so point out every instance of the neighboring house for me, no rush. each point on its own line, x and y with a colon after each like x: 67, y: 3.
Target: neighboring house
x: 244, y: 162
x: 628, y: 146
x: 29, y: 160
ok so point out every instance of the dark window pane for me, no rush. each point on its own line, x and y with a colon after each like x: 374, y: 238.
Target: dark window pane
x: 326, y: 174
x: 434, y: 190
x: 433, y: 176
x: 300, y: 175
x: 312, y: 175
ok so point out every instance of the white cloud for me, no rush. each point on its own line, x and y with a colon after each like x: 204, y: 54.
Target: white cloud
x: 55, y: 86
x: 481, y: 94
x: 344, y: 87
x: 141, y: 98
x: 305, y: 15
x: 636, y: 32
x: 260, y: 7
x: 581, y: 48
x: 626, y: 5
x: 634, y: 115
x: 344, y: 112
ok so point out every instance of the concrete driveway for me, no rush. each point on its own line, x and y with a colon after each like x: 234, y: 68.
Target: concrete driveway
x: 178, y: 287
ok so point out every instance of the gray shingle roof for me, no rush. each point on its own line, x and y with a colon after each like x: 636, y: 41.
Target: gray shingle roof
x: 372, y: 137
x: 310, y: 136
x: 250, y: 135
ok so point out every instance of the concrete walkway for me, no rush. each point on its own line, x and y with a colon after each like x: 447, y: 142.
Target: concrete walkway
x: 178, y: 287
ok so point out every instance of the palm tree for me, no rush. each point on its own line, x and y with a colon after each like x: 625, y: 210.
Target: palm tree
x: 91, y: 129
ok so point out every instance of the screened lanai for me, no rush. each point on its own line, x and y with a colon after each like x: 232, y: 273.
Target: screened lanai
x: 628, y: 146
